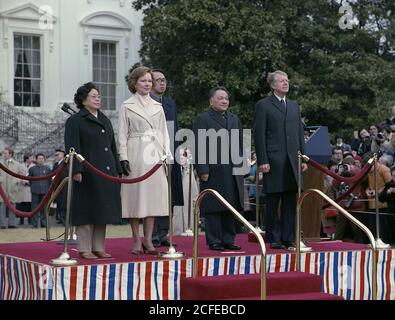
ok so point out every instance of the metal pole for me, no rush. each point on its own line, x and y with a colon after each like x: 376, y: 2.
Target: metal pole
x: 195, y: 238
x: 64, y: 259
x: 189, y: 232
x: 298, y: 240
x: 171, y: 253
x: 297, y: 232
x: 190, y: 195
x: 257, y: 200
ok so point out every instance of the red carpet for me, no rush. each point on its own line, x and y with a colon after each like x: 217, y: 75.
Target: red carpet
x: 120, y: 249
x: 280, y: 286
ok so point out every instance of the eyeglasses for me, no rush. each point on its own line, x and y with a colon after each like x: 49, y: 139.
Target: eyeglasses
x: 161, y: 80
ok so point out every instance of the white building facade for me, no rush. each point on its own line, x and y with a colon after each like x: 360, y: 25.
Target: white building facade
x: 49, y: 48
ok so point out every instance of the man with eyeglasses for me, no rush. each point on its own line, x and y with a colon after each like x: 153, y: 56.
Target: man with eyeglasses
x: 159, y: 86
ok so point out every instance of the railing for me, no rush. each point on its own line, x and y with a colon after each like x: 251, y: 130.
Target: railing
x: 8, y: 125
x: 349, y: 217
x: 46, y: 145
x: 242, y: 220
x: 36, y: 134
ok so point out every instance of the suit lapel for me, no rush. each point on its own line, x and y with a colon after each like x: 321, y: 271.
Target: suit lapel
x: 277, y: 104
x: 217, y: 117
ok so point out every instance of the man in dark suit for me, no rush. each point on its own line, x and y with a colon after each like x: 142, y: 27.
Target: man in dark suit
x: 39, y: 188
x: 159, y: 86
x: 278, y: 139
x: 220, y: 175
x: 61, y: 199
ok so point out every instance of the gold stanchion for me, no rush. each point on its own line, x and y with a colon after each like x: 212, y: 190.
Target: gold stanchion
x: 51, y: 200
x: 257, y: 200
x: 356, y: 222
x: 189, y: 232
x: 64, y: 259
x: 380, y: 244
x: 300, y: 246
x: 242, y: 220
x: 172, y: 252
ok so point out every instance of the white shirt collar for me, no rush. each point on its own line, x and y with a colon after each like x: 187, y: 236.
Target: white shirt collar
x: 279, y: 99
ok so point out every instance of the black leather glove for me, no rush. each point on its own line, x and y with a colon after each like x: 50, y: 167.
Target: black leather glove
x: 125, y: 167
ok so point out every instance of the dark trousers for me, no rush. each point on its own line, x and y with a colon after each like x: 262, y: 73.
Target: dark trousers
x: 342, y: 224
x: 219, y: 228
x: 36, y: 199
x: 26, y: 207
x: 161, y: 229
x: 382, y: 222
x: 60, y: 215
x: 280, y: 228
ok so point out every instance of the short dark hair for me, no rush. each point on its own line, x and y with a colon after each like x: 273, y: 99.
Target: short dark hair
x: 159, y: 70
x: 212, y: 92
x: 337, y: 148
x: 82, y: 94
x: 27, y: 155
x: 40, y: 154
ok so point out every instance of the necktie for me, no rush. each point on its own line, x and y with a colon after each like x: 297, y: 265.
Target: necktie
x: 225, y: 119
x: 283, y: 104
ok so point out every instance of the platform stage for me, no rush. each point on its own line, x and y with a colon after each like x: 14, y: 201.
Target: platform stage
x: 25, y: 272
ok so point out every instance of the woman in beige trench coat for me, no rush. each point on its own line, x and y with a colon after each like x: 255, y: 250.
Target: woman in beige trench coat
x: 143, y: 141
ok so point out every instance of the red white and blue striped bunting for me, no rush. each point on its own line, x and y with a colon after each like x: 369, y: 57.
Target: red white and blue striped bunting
x: 345, y: 273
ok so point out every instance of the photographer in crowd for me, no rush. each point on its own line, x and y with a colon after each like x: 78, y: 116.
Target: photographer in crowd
x: 388, y: 196
x: 383, y: 176
x: 352, y: 203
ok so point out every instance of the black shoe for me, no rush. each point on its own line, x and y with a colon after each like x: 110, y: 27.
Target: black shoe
x: 156, y: 244
x: 166, y: 243
x: 216, y: 246
x: 275, y: 245
x: 12, y: 227
x: 2, y: 228
x: 232, y: 247
x: 289, y: 244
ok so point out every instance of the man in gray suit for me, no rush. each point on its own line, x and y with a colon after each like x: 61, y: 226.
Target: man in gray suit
x: 278, y: 139
x: 39, y: 188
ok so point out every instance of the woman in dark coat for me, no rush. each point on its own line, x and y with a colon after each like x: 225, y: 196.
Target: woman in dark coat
x: 96, y: 201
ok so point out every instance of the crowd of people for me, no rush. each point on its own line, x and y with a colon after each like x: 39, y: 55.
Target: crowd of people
x: 25, y: 195
x: 348, y: 160
x: 144, y: 138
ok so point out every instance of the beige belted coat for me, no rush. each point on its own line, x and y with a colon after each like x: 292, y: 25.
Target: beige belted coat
x: 143, y: 141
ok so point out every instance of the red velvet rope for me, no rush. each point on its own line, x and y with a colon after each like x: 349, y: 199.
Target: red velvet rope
x: 11, y: 173
x: 347, y: 193
x: 347, y: 180
x: 121, y: 180
x: 30, y: 214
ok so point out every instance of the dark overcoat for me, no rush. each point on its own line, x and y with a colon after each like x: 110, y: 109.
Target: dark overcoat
x: 95, y: 200
x: 170, y: 109
x: 221, y: 176
x: 278, y: 134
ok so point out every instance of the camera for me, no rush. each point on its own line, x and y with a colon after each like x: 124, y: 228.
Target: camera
x: 380, y: 136
x: 343, y: 188
x: 342, y: 169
